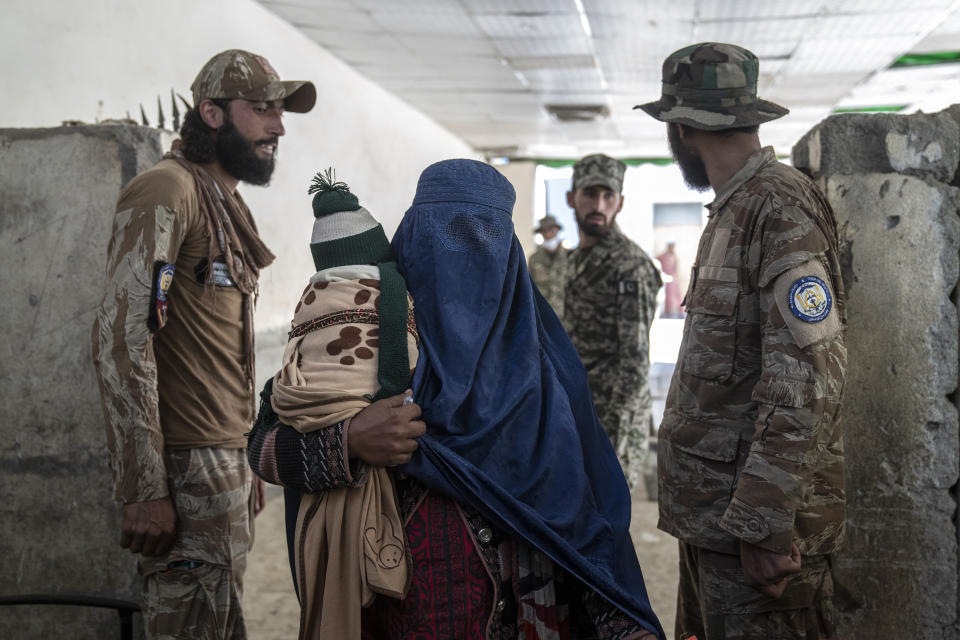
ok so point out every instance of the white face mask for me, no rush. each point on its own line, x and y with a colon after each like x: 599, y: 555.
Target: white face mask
x: 552, y: 243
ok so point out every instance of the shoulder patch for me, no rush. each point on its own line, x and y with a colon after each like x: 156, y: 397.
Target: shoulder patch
x: 809, y: 299
x: 162, y: 280
x: 805, y: 300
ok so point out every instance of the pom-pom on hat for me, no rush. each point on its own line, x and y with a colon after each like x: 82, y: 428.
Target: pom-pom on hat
x: 344, y: 232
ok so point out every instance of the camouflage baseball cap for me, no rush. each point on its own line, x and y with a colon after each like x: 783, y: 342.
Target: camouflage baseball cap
x: 547, y: 222
x: 712, y: 86
x: 240, y: 74
x: 599, y: 169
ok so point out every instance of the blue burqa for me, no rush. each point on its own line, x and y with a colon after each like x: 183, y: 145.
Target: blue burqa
x: 511, y: 427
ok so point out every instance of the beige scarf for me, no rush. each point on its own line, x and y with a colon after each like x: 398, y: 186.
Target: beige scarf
x: 350, y: 542
x: 232, y: 234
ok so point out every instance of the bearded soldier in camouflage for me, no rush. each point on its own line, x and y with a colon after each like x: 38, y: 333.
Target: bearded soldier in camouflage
x: 609, y: 303
x: 548, y: 263
x: 173, y: 347
x: 751, y: 454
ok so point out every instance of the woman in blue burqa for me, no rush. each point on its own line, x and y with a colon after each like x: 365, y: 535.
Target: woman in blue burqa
x: 516, y: 511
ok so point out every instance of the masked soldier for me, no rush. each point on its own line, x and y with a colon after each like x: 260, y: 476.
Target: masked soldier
x: 548, y: 263
x: 750, y: 449
x: 173, y: 347
x: 609, y: 303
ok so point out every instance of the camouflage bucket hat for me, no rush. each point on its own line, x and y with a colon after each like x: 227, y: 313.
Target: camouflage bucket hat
x: 712, y: 86
x: 240, y: 74
x: 599, y: 169
x: 547, y: 222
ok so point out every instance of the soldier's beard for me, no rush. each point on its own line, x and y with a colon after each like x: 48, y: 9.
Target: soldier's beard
x: 592, y: 228
x: 238, y: 156
x: 692, y: 168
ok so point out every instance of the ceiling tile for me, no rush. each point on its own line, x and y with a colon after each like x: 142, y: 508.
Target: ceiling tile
x: 374, y: 42
x: 735, y: 10
x: 520, y: 6
x: 771, y: 36
x: 417, y: 22
x: 852, y: 7
x: 657, y: 29
x: 846, y: 54
x: 318, y: 5
x: 654, y: 10
x: 536, y: 26
x: 566, y: 80
x: 431, y: 6
x: 576, y: 45
x: 332, y: 19
x: 914, y: 22
x: 441, y: 45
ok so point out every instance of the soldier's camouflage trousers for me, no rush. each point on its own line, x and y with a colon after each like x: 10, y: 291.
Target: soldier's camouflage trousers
x: 194, y: 591
x: 715, y: 602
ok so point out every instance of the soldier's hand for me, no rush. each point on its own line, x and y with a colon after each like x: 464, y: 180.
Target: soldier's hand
x: 259, y: 496
x: 149, y: 527
x: 767, y: 571
x: 384, y: 434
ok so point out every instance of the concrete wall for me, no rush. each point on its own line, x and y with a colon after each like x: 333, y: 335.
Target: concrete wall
x: 522, y: 175
x: 59, y: 526
x: 892, y: 183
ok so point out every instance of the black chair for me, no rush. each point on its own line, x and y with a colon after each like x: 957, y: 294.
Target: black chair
x: 124, y: 608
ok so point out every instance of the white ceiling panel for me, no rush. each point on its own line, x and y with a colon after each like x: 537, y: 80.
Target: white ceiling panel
x: 642, y: 28
x: 577, y: 45
x: 915, y: 22
x: 526, y: 63
x: 315, y: 5
x: 533, y: 26
x: 362, y: 58
x: 853, y: 7
x: 417, y: 22
x: 655, y: 10
x: 375, y: 42
x: 485, y: 69
x: 733, y: 10
x: 468, y: 65
x: 432, y: 6
x: 440, y: 45
x: 520, y: 6
x: 848, y: 54
x: 565, y: 80
x: 780, y: 35
x: 331, y: 19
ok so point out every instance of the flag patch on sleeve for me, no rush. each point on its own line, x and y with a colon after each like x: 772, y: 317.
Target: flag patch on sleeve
x: 162, y: 280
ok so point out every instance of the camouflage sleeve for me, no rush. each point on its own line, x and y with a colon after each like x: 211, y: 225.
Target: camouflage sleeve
x: 311, y: 462
x: 636, y: 302
x: 798, y: 392
x: 143, y: 236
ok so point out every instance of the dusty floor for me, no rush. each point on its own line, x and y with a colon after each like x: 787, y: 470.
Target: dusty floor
x: 271, y: 608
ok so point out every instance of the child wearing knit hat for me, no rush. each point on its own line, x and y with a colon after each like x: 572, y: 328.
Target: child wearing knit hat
x: 352, y: 341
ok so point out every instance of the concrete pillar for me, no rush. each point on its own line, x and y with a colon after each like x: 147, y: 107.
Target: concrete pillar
x: 888, y: 178
x: 59, y: 525
x: 522, y: 174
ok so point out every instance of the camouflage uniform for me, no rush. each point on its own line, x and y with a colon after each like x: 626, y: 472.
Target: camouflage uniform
x: 175, y: 376
x: 750, y: 447
x: 548, y: 270
x: 609, y: 304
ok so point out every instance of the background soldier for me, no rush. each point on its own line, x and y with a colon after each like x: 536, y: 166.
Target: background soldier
x: 609, y: 303
x: 548, y: 263
x: 173, y: 346
x: 750, y: 449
